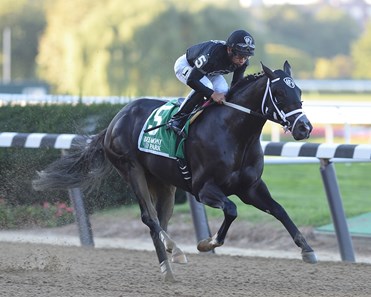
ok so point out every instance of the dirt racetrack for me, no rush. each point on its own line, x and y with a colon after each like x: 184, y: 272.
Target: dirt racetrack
x: 45, y: 270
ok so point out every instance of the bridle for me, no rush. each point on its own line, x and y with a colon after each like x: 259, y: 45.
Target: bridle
x: 278, y: 115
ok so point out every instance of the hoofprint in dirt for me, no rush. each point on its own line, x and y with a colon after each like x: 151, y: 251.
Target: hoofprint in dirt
x: 46, y: 270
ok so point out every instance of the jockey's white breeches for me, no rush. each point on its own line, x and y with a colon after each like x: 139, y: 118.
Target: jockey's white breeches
x: 182, y: 70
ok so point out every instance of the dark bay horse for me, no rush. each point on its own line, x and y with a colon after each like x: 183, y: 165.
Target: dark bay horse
x: 222, y: 149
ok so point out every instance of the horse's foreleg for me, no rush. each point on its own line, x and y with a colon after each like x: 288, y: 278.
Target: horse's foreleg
x: 307, y: 252
x: 260, y: 197
x: 212, y: 196
x: 230, y: 214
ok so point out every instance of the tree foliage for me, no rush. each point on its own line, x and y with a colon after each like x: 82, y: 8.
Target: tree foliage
x: 122, y: 47
x: 320, y: 33
x: 361, y: 53
x: 127, y: 51
x: 8, y: 7
x: 338, y: 67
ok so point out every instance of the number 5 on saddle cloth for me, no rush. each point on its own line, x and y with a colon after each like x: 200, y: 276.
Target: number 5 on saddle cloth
x: 163, y: 141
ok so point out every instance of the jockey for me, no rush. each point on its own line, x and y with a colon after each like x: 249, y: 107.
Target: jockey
x: 202, y: 68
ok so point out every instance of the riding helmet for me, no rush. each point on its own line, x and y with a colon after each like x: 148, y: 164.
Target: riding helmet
x: 241, y: 43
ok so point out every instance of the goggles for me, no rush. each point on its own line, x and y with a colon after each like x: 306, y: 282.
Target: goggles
x: 240, y: 55
x: 243, y: 50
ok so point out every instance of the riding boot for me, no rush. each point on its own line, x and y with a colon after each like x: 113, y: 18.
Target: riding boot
x: 179, y: 119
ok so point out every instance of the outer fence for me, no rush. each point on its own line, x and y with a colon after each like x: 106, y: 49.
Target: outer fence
x: 327, y: 113
x: 350, y: 117
x: 326, y: 153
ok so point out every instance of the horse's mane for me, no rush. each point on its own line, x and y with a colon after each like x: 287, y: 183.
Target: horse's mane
x: 248, y: 79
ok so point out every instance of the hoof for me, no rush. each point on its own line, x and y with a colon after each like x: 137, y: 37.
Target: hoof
x: 178, y: 256
x: 167, y: 272
x: 208, y: 244
x: 309, y: 257
x: 169, y: 278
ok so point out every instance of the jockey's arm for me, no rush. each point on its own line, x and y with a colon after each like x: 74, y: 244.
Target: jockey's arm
x: 194, y: 81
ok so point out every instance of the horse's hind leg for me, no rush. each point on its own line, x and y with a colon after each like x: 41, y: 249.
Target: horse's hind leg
x: 139, y: 185
x: 260, y: 197
x: 164, y: 197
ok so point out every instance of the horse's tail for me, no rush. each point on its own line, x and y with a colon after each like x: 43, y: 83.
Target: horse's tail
x: 83, y: 167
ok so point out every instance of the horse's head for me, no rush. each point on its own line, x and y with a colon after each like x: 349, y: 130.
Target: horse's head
x: 282, y: 102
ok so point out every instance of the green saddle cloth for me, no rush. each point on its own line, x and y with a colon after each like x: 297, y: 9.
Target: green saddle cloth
x: 162, y: 141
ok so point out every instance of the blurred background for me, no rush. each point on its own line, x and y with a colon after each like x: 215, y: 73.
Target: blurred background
x: 128, y: 48
x: 68, y: 66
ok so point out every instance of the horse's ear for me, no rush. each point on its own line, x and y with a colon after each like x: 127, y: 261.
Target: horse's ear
x: 268, y: 71
x: 287, y: 67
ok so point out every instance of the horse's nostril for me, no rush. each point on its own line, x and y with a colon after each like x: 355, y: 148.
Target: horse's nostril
x: 304, y: 128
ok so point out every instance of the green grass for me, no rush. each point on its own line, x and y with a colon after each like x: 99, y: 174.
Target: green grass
x: 131, y: 210
x: 299, y: 189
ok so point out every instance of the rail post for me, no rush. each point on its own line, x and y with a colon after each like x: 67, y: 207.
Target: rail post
x: 81, y: 216
x: 337, y: 211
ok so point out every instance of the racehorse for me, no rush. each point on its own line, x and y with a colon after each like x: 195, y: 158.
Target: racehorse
x: 222, y: 149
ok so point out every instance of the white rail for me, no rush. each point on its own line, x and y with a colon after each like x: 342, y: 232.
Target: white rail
x: 327, y: 113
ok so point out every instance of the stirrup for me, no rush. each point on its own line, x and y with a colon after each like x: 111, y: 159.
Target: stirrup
x: 174, y: 125
x: 177, y: 123
x: 177, y: 130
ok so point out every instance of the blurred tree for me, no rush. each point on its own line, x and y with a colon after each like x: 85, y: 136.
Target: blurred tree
x: 120, y: 47
x: 323, y: 32
x: 26, y: 20
x: 102, y: 49
x: 11, y: 6
x: 300, y: 60
x: 82, y: 38
x: 172, y: 33
x: 339, y: 67
x: 333, y: 32
x: 61, y: 56
x: 361, y: 53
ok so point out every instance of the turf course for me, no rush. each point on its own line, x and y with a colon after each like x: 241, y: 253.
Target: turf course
x: 299, y: 189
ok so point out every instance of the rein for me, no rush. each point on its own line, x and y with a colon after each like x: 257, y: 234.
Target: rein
x: 244, y: 109
x: 282, y: 115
